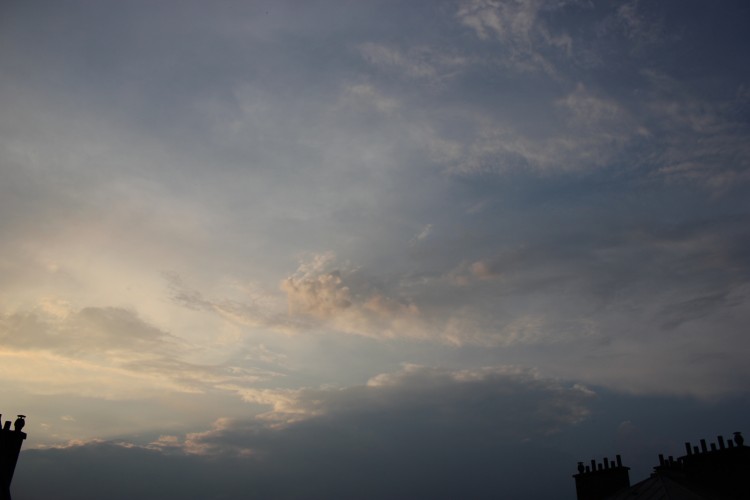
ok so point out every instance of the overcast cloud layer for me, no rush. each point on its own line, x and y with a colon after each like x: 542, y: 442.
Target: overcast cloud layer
x: 369, y: 249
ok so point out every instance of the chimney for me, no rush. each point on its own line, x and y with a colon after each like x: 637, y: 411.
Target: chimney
x: 10, y: 447
x: 601, y: 480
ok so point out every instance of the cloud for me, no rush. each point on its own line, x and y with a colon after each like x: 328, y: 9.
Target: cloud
x: 346, y: 300
x: 508, y: 20
x: 254, y: 307
x: 593, y: 131
x: 422, y: 235
x: 520, y: 27
x: 106, y: 353
x: 416, y: 63
x: 514, y: 402
x: 323, y: 295
x: 675, y: 314
x: 642, y: 29
x: 702, y: 142
x: 56, y: 326
x: 591, y: 111
x: 419, y: 431
x: 387, y: 446
x: 565, y: 286
x: 555, y: 159
x: 368, y: 95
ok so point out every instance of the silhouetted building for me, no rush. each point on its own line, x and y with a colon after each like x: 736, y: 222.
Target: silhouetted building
x: 718, y: 472
x: 10, y: 447
x: 597, y: 481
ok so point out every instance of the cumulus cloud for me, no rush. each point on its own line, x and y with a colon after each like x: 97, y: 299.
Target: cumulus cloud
x: 347, y: 300
x: 321, y: 296
x: 332, y: 296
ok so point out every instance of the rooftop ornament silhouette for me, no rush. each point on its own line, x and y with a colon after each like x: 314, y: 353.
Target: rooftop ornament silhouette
x: 10, y: 447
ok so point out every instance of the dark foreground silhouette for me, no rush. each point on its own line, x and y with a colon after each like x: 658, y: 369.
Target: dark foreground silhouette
x: 717, y: 473
x: 10, y: 447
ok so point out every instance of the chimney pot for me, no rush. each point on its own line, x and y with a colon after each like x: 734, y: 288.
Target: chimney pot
x: 738, y: 439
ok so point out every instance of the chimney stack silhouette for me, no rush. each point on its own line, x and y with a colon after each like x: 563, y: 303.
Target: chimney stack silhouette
x: 10, y: 447
x: 597, y: 481
x: 707, y: 470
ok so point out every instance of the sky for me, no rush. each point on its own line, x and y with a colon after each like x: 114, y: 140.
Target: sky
x: 379, y: 249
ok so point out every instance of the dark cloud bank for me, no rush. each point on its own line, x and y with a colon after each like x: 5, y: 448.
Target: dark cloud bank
x: 417, y: 433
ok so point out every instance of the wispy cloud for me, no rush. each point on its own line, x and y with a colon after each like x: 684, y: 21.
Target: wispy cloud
x: 107, y: 353
x: 417, y: 63
x: 520, y: 27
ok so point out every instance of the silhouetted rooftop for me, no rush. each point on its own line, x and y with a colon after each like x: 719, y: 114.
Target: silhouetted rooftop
x: 657, y: 487
x: 720, y: 471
